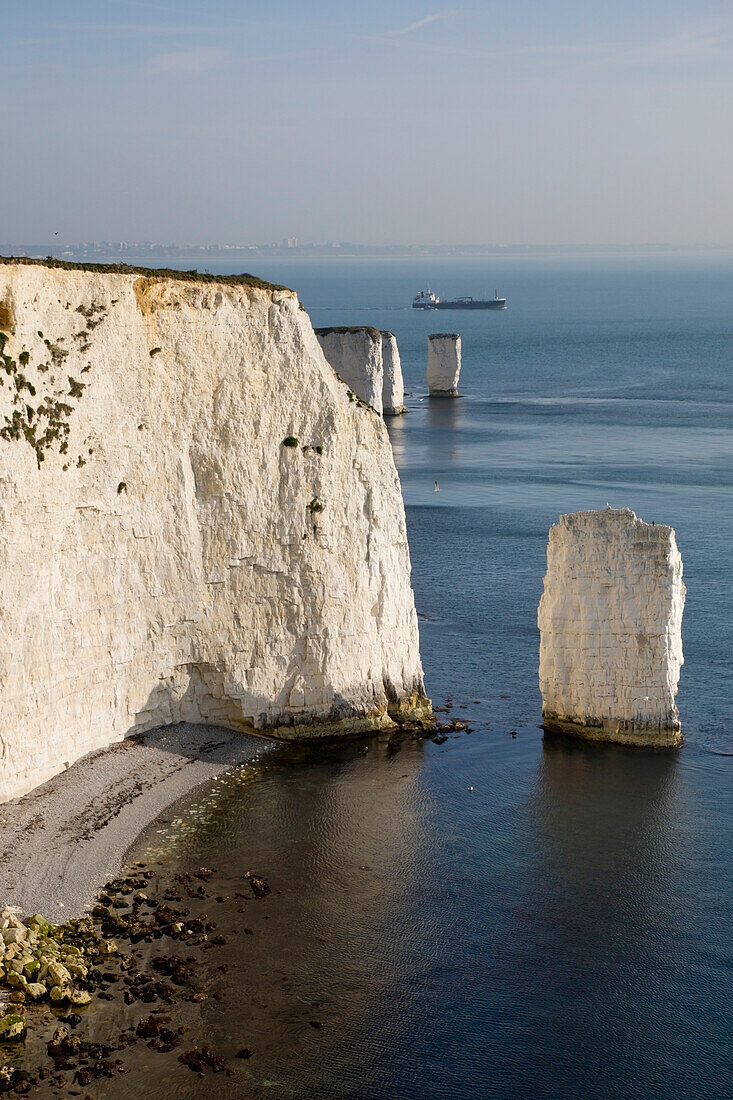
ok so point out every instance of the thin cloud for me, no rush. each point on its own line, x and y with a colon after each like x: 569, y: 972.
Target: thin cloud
x: 691, y: 44
x: 188, y: 62
x: 700, y: 43
x: 424, y: 22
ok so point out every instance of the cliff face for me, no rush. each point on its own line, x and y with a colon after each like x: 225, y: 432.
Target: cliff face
x: 196, y: 522
x: 610, y: 621
x: 356, y: 356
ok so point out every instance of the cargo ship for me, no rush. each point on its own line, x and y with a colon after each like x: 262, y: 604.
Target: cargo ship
x: 426, y: 299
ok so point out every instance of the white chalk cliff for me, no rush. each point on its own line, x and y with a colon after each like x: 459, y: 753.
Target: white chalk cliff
x: 393, y: 387
x: 197, y: 521
x: 444, y: 364
x: 356, y: 356
x: 610, y: 621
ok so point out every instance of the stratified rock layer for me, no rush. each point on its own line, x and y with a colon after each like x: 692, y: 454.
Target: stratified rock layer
x: 393, y: 387
x: 610, y: 622
x: 444, y: 364
x: 356, y: 356
x: 196, y: 521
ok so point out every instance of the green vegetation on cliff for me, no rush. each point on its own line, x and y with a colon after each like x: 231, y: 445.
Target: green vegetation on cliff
x: 149, y: 272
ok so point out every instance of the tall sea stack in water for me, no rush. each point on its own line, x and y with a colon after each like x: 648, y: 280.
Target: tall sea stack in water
x: 197, y: 520
x: 610, y: 622
x: 393, y: 388
x: 444, y: 364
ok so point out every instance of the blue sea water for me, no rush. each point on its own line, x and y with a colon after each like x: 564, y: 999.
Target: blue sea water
x: 508, y: 915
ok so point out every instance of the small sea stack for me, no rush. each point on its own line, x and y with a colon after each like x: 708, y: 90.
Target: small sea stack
x: 610, y: 621
x: 356, y: 356
x: 393, y: 388
x: 444, y: 364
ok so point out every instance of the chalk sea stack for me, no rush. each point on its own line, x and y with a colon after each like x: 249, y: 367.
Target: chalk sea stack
x: 610, y: 621
x: 356, y: 356
x: 197, y: 520
x: 444, y: 364
x: 393, y: 387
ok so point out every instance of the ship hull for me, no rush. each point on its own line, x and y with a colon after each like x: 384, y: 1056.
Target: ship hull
x: 493, y: 303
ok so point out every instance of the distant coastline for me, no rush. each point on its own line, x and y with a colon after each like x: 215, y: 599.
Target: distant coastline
x: 154, y: 253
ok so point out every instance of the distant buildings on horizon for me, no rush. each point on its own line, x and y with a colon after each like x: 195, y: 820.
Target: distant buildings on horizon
x: 131, y: 251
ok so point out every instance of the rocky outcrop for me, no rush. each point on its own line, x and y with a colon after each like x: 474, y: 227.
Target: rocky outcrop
x: 393, y: 388
x: 610, y: 622
x: 197, y: 521
x: 356, y: 356
x: 444, y: 364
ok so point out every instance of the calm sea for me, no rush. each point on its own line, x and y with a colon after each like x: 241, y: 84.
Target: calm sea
x: 503, y: 915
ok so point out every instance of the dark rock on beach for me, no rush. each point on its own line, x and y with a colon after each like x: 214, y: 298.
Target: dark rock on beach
x: 259, y: 887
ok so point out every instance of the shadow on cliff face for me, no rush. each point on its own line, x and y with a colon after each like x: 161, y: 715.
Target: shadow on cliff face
x: 191, y: 714
x: 195, y: 693
x: 229, y: 748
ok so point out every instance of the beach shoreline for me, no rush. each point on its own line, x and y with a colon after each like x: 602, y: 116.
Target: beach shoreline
x: 64, y: 840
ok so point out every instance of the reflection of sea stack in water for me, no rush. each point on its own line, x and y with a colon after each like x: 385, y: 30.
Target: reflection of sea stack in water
x: 356, y: 356
x: 393, y: 389
x: 610, y: 622
x: 444, y: 364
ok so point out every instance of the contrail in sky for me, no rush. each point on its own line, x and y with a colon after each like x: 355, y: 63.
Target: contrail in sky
x: 424, y: 22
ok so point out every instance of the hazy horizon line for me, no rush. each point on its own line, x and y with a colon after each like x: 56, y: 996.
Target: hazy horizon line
x: 334, y: 245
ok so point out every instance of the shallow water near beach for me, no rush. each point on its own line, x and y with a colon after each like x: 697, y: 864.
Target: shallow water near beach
x: 503, y: 914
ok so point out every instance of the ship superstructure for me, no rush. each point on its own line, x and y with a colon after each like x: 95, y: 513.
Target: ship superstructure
x: 426, y: 299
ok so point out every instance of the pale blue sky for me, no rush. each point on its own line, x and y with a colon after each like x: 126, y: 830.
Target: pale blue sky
x: 518, y: 121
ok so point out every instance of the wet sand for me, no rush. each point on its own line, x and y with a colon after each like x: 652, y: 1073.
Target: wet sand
x: 64, y: 840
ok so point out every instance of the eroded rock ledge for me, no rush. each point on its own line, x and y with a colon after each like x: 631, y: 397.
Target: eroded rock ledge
x: 196, y: 522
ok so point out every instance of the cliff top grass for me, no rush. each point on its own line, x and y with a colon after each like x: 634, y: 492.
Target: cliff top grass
x: 148, y: 272
x: 373, y: 332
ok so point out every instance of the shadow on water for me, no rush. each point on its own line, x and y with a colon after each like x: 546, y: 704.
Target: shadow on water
x: 439, y: 422
x: 334, y: 830
x: 605, y: 839
x: 398, y: 431
x: 595, y: 949
x: 444, y: 423
x: 484, y: 918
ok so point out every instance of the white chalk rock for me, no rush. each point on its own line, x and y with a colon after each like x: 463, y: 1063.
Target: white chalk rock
x: 196, y: 521
x: 393, y: 387
x: 444, y: 364
x: 610, y: 621
x: 356, y: 356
